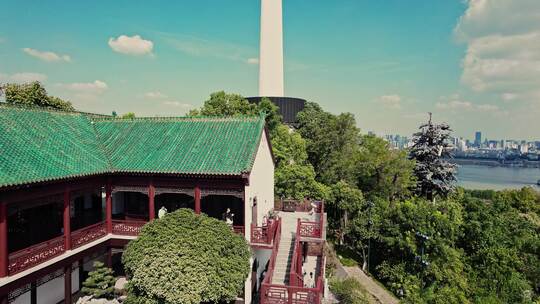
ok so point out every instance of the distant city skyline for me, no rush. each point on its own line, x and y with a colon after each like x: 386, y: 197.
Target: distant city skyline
x: 389, y: 63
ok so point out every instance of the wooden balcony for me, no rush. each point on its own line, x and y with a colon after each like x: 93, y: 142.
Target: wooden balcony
x: 263, y: 235
x: 34, y: 255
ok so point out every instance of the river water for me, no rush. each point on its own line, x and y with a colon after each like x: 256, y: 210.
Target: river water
x: 497, y: 178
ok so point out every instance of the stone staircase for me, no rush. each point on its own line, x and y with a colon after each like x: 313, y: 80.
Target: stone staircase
x: 286, y: 246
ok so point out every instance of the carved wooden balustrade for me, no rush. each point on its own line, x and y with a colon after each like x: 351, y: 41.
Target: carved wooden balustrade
x: 265, y: 234
x: 88, y: 234
x: 127, y: 227
x: 313, y: 229
x: 239, y: 229
x: 295, y: 292
x: 34, y: 255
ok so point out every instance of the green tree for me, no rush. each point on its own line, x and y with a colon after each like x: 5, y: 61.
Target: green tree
x: 224, y: 104
x: 298, y: 182
x: 431, y: 147
x: 186, y: 258
x: 129, y: 115
x: 382, y: 172
x: 34, y: 94
x: 288, y: 147
x: 100, y: 282
x: 331, y: 143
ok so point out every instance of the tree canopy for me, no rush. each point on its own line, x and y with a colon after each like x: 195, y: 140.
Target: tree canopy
x: 186, y: 258
x: 431, y: 147
x: 465, y: 247
x: 34, y: 94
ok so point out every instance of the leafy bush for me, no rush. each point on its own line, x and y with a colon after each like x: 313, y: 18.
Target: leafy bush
x: 348, y: 291
x: 100, y: 282
x: 186, y: 258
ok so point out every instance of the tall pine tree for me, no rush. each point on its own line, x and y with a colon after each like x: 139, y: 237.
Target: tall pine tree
x: 431, y: 149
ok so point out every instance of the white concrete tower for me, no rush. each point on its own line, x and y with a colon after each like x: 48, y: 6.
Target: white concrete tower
x: 271, y: 49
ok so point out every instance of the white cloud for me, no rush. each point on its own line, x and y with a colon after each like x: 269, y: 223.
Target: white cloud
x: 390, y: 101
x: 155, y: 95
x: 253, y: 61
x: 503, y: 48
x: 454, y: 103
x: 87, y: 88
x: 46, y: 56
x: 23, y: 77
x: 179, y: 104
x: 134, y: 45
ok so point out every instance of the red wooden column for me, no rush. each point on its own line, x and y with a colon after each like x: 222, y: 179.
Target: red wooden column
x: 109, y: 257
x: 197, y: 199
x: 67, y: 221
x: 108, y: 206
x: 4, y: 254
x: 151, y: 205
x: 67, y: 284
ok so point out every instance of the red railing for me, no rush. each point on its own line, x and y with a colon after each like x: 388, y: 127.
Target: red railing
x: 88, y: 234
x: 313, y: 229
x: 125, y: 227
x: 295, y: 293
x: 34, y: 255
x: 239, y: 229
x: 265, y: 234
x: 272, y: 263
x: 295, y: 273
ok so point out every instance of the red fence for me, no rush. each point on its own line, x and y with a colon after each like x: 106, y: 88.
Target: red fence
x: 295, y: 273
x: 88, y: 234
x: 265, y: 234
x: 129, y: 228
x: 239, y: 229
x: 34, y: 255
x: 313, y: 229
x: 295, y: 293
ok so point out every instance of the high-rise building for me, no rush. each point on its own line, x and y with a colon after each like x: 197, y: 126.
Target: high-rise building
x: 271, y: 78
x: 478, y: 139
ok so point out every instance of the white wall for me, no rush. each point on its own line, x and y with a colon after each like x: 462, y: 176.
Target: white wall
x: 51, y: 292
x: 22, y: 299
x: 261, y: 185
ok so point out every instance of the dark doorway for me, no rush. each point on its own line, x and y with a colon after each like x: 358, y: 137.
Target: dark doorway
x: 216, y: 205
x: 130, y: 206
x: 33, y: 222
x: 86, y: 209
x: 174, y: 201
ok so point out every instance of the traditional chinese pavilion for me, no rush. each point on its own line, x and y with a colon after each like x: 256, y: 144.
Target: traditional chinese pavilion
x: 75, y: 187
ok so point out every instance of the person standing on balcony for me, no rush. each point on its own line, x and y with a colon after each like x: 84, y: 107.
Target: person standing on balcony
x: 228, y: 217
x: 162, y: 211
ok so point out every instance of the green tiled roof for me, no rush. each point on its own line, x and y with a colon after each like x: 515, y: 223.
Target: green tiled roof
x: 40, y: 145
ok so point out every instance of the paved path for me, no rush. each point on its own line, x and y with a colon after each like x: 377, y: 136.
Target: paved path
x: 379, y: 293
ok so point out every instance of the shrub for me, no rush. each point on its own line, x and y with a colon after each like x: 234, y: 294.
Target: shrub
x: 100, y: 282
x: 186, y: 258
x: 348, y: 291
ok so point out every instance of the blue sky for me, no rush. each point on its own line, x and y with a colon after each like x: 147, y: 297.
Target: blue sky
x: 388, y: 62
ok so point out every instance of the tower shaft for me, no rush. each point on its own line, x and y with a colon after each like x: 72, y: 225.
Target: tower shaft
x: 271, y: 49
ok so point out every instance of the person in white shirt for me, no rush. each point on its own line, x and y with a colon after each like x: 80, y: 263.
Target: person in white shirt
x: 162, y: 211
